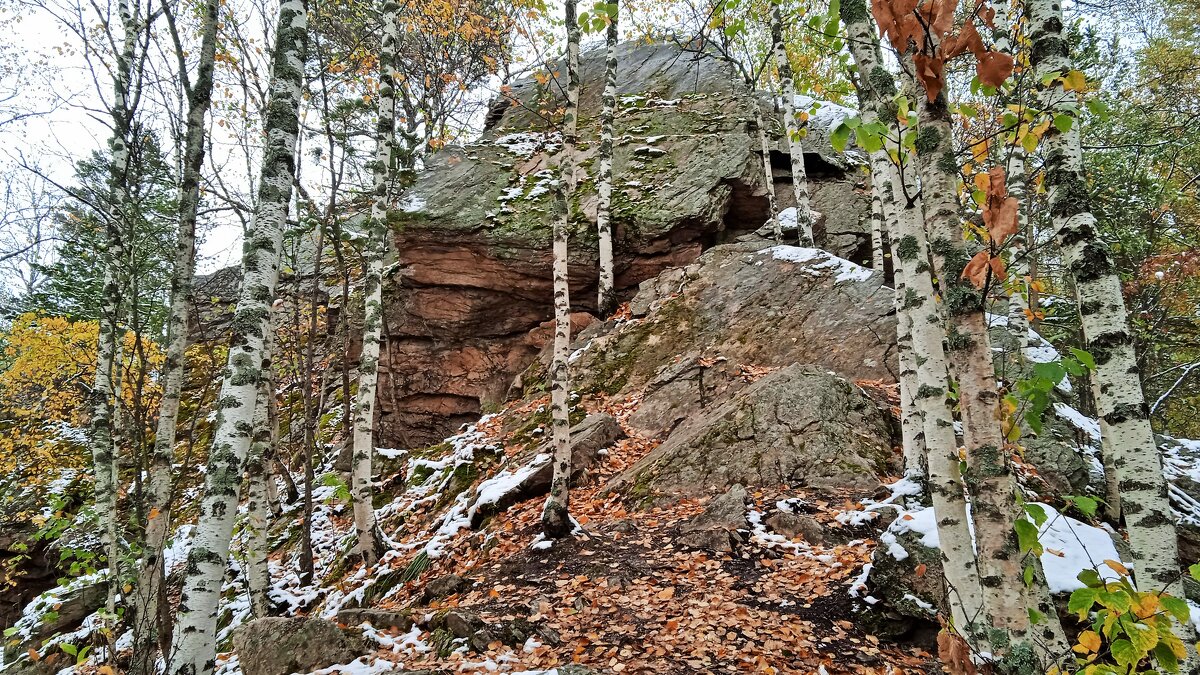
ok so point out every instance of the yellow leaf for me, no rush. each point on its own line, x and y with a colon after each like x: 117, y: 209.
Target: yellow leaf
x: 1117, y: 567
x: 1090, y: 640
x: 1075, y: 81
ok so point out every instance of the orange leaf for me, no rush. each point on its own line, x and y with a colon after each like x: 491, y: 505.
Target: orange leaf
x: 976, y: 270
x: 994, y: 68
x: 1117, y: 567
x: 931, y: 73
x: 1090, y: 639
x: 921, y: 569
x: 666, y: 593
x: 1001, y: 220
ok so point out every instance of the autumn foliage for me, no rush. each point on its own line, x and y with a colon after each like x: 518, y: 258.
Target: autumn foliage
x: 50, y: 362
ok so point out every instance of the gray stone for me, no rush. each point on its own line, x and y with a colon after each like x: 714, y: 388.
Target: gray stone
x: 278, y: 645
x: 716, y: 527
x: 379, y: 618
x: 792, y: 525
x: 799, y: 426
x: 444, y: 586
x: 750, y: 308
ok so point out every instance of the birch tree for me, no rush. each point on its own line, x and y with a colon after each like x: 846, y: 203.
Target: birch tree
x: 194, y: 647
x: 963, y: 282
x: 105, y: 390
x: 148, y: 591
x: 792, y: 130
x: 606, y: 293
x: 556, y: 517
x: 256, y: 571
x: 928, y: 333
x: 1126, y: 436
x: 383, y: 176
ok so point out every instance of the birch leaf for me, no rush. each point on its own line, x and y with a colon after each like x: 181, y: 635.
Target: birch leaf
x: 976, y: 270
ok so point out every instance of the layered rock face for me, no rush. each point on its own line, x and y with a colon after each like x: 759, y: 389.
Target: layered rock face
x: 469, y: 305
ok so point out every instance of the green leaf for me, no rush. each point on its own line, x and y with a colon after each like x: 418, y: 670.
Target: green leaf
x: 1142, y: 636
x: 1036, y: 513
x: 9, y: 632
x: 1124, y: 653
x: 1166, y: 658
x: 1117, y: 601
x: 1081, y: 601
x: 1098, y: 108
x: 1053, y: 371
x: 1010, y: 119
x: 1084, y: 358
x: 868, y: 142
x: 967, y: 110
x: 1178, y: 607
x: 1027, y: 576
x: 1086, y: 505
x: 852, y: 122
x: 69, y: 648
x: 1194, y: 570
x: 1027, y: 536
x: 1074, y: 368
x: 1029, y: 142
x: 840, y: 137
x: 1090, y: 578
x: 1063, y: 122
x: 1035, y: 617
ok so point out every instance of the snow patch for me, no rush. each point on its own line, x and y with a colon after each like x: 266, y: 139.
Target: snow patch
x: 842, y: 269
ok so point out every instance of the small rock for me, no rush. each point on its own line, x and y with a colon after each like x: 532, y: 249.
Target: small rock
x: 443, y: 587
x: 379, y: 618
x: 792, y: 525
x: 277, y: 645
x: 716, y: 528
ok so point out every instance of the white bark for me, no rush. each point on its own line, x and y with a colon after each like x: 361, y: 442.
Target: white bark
x: 1007, y: 598
x: 1126, y: 437
x: 194, y: 648
x: 258, y: 578
x: 383, y: 175
x: 104, y: 396
x: 148, y: 591
x: 556, y: 519
x: 768, y: 173
x: 606, y: 293
x: 928, y: 334
x: 792, y: 130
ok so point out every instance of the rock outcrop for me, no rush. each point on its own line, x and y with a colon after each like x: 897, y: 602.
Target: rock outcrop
x: 800, y: 426
x: 465, y: 312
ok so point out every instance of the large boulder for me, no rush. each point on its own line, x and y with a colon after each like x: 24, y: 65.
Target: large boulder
x: 277, y: 645
x: 699, y: 333
x: 799, y: 426
x: 464, y: 314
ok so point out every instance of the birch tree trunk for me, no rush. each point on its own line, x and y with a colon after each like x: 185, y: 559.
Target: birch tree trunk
x: 768, y: 173
x: 964, y: 594
x: 1127, y: 439
x: 804, y: 214
x: 879, y: 225
x: 606, y: 294
x: 194, y: 648
x: 103, y: 398
x: 377, y: 236
x: 148, y: 591
x: 1007, y: 598
x: 258, y: 577
x: 1018, y: 298
x: 556, y: 517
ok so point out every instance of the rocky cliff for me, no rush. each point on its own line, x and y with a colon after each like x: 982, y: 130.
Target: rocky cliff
x: 468, y: 307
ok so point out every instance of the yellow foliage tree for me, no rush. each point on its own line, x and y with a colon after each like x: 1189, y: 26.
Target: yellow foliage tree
x: 48, y: 363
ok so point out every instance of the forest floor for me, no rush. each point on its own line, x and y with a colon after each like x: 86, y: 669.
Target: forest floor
x: 625, y: 596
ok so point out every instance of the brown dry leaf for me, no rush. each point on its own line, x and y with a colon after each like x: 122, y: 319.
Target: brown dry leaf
x: 931, y: 73
x: 998, y: 269
x: 993, y: 68
x: 976, y: 270
x: 1117, y: 567
x: 666, y: 593
x: 955, y: 654
x: 921, y: 569
x: 996, y: 183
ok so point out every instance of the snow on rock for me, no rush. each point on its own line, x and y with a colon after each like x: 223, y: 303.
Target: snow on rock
x: 1181, y: 466
x: 842, y: 269
x: 826, y: 114
x: 412, y: 204
x: 1086, y: 424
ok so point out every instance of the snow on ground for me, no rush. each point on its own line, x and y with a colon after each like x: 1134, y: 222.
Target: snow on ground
x: 816, y: 259
x: 1071, y: 547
